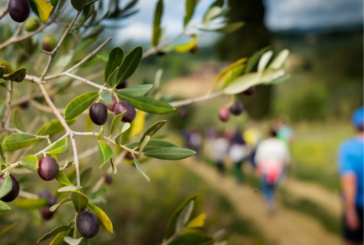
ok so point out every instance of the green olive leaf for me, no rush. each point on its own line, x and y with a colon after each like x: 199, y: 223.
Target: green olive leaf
x: 18, y: 75
x: 139, y: 90
x: 172, y: 224
x: 4, y: 207
x: 30, y: 162
x: 190, y: 9
x: 147, y: 104
x: 139, y: 167
x: 116, y: 57
x: 157, y: 30
x: 79, y: 5
x: 30, y: 203
x: 55, y: 206
x: 6, y: 186
x: 151, y: 131
x: 59, y: 239
x: 153, y: 144
x: 63, y: 179
x: 170, y: 153
x: 102, y: 217
x: 79, y: 200
x: 130, y: 64
x: 116, y: 121
x: 242, y: 83
x: 100, y: 136
x: 19, y: 141
x: 105, y: 152
x: 73, y: 241
x: 53, y: 127
x: 192, y: 237
x: 69, y: 188
x: 106, y: 96
x: 17, y: 120
x: 59, y: 148
x: 79, y: 105
x: 54, y: 232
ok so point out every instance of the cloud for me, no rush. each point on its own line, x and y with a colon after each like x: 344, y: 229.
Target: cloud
x: 307, y: 14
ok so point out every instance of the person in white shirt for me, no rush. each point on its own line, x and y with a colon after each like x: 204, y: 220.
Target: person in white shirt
x: 238, y: 153
x: 272, y: 157
x: 219, y: 149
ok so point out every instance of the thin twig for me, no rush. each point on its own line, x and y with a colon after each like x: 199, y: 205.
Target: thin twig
x: 194, y: 100
x: 23, y: 37
x: 4, y: 12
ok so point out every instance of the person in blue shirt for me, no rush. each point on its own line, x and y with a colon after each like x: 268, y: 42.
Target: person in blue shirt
x: 351, y: 161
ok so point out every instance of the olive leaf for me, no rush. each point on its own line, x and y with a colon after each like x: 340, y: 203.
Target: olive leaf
x: 170, y: 153
x: 53, y: 127
x: 19, y: 141
x: 105, y: 152
x: 192, y: 237
x: 106, y: 96
x: 242, y: 83
x: 30, y: 203
x: 102, y: 217
x: 147, y: 104
x: 116, y: 57
x: 153, y: 144
x: 63, y: 179
x: 79, y: 104
x: 44, y: 9
x: 18, y: 75
x: 69, y: 188
x: 55, y: 206
x: 54, y: 232
x: 79, y: 5
x: 4, y: 207
x: 59, y: 148
x: 17, y: 120
x: 130, y: 64
x: 157, y: 30
x: 116, y: 121
x: 197, y: 222
x: 6, y: 186
x: 190, y: 9
x: 152, y: 130
x: 73, y: 241
x: 30, y: 162
x: 139, y: 90
x: 80, y: 201
x: 139, y: 167
x: 100, y: 136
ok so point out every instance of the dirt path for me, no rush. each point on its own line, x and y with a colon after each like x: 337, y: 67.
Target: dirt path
x: 326, y: 199
x: 285, y: 228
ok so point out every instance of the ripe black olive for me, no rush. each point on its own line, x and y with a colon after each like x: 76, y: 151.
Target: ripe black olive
x: 249, y: 91
x: 48, y: 168
x: 130, y: 113
x: 237, y: 108
x: 46, y: 213
x: 122, y: 85
x: 98, y: 113
x: 19, y: 10
x: 87, y: 224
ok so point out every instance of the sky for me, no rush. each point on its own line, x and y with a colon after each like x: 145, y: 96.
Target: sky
x: 281, y: 15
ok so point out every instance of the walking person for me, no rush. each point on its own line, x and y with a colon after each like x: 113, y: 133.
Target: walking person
x: 238, y: 152
x: 220, y: 147
x: 272, y: 157
x: 351, y: 160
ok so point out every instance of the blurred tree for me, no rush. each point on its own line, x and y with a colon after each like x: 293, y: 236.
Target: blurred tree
x: 252, y: 37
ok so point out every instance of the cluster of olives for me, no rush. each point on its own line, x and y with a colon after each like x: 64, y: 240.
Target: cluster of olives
x: 99, y: 115
x: 236, y: 109
x: 52, y: 200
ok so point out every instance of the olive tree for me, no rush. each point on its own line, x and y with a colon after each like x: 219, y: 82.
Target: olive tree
x: 126, y: 108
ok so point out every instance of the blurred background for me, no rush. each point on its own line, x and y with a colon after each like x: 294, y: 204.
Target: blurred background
x: 325, y: 65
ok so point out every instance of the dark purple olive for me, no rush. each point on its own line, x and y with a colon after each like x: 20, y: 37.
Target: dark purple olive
x: 130, y: 113
x: 129, y: 156
x: 24, y: 105
x: 14, y: 192
x: 48, y: 168
x: 46, y: 213
x: 183, y: 112
x: 237, y: 108
x: 249, y: 91
x: 112, y: 105
x: 108, y: 179
x: 52, y: 200
x: 122, y: 85
x: 87, y: 224
x: 194, y: 50
x: 19, y: 10
x: 98, y: 113
x: 224, y: 114
x: 161, y: 53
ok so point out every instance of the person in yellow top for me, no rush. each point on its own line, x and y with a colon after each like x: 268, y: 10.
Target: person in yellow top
x: 252, y: 137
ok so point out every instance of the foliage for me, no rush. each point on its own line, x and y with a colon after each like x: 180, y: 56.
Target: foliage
x: 88, y: 19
